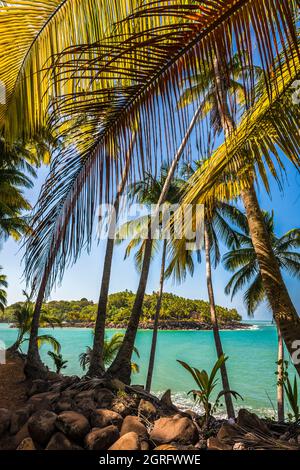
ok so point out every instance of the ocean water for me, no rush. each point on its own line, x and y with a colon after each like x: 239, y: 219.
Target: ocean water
x: 251, y: 364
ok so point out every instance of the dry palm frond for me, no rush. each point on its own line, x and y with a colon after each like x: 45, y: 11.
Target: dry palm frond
x: 136, y: 76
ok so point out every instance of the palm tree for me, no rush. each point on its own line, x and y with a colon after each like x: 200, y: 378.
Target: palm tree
x: 3, y: 294
x: 96, y: 363
x: 127, y: 86
x: 22, y: 320
x: 244, y: 262
x: 12, y: 182
x: 58, y: 361
x: 111, y: 347
x: 147, y: 192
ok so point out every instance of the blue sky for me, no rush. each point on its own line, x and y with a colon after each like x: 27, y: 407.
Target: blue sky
x: 83, y: 279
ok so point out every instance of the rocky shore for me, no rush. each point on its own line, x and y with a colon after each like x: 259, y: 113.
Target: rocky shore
x: 67, y: 413
x: 163, y: 325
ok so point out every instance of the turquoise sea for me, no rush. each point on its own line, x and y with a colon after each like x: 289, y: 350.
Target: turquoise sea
x: 251, y: 365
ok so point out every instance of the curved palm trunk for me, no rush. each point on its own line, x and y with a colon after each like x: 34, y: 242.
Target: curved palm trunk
x: 214, y: 320
x: 284, y: 312
x: 34, y: 368
x: 121, y: 367
x: 156, y: 319
x: 280, y: 391
x: 97, y: 367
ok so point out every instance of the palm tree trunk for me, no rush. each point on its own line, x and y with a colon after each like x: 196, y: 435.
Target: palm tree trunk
x: 280, y: 391
x: 284, y: 312
x: 34, y: 368
x: 97, y: 367
x: 121, y: 367
x: 156, y: 319
x: 214, y: 320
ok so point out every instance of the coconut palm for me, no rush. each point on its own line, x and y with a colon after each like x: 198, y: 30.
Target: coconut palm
x: 111, y: 347
x: 22, y: 321
x: 59, y: 363
x: 219, y: 222
x: 243, y: 261
x: 138, y: 74
x: 3, y: 294
x: 148, y: 192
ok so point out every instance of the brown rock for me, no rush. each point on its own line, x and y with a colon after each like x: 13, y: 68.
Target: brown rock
x: 174, y: 429
x: 41, y: 426
x: 21, y: 435
x: 104, y: 418
x: 74, y: 425
x: 85, y: 395
x: 129, y: 441
x: 239, y: 446
x: 229, y: 433
x: 147, y: 409
x: 213, y: 443
x: 165, y: 447
x: 27, y: 444
x: 133, y: 424
x: 19, y: 418
x: 104, y: 397
x: 38, y: 386
x: 86, y: 407
x: 250, y: 421
x: 102, y: 439
x: 43, y: 401
x: 5, y: 419
x: 63, y: 405
x: 60, y: 442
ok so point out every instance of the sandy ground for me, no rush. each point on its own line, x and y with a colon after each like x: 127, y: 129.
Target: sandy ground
x: 12, y: 384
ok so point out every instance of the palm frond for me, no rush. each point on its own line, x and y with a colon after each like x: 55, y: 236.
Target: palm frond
x: 136, y: 75
x: 49, y: 340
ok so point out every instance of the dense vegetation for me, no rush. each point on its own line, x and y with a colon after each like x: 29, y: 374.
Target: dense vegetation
x: 120, y: 305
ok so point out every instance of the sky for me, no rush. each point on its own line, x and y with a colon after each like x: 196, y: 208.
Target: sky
x: 83, y: 279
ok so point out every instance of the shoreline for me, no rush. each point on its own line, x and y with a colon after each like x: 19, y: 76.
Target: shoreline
x: 168, y: 325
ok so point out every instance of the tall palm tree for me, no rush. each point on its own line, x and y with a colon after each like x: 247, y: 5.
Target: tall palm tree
x: 245, y: 264
x: 3, y: 294
x: 137, y: 74
x: 96, y: 364
x: 148, y: 192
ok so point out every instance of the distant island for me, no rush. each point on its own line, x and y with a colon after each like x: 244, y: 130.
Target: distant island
x: 177, y: 313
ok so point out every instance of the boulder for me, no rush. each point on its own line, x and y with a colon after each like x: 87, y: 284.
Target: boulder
x: 38, y: 386
x: 104, y: 397
x: 239, y: 446
x: 74, y: 425
x: 43, y: 401
x: 133, y: 424
x: 229, y: 433
x: 147, y: 409
x: 129, y: 441
x: 124, y: 406
x: 27, y: 444
x: 5, y: 420
x: 85, y: 407
x: 63, y: 405
x: 165, y: 447
x: 174, y: 429
x: 19, y: 418
x: 85, y: 395
x: 101, y: 439
x: 104, y: 418
x: 250, y: 421
x: 41, y: 426
x: 21, y: 435
x: 60, y: 442
x: 213, y: 443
